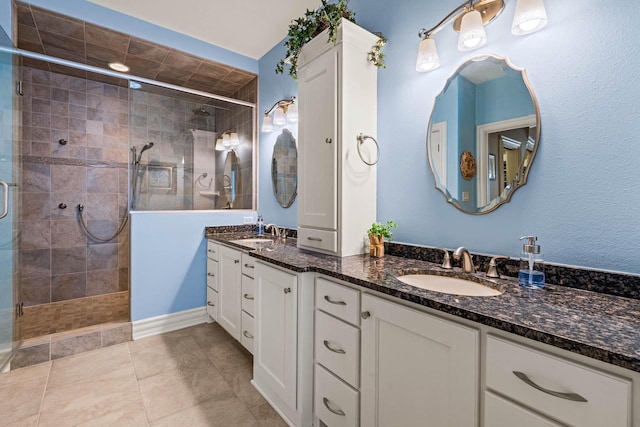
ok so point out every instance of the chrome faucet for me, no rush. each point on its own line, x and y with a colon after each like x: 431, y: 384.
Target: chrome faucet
x: 467, y: 262
x: 278, y: 234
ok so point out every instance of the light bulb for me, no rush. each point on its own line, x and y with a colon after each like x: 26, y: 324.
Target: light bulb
x: 267, y: 124
x: 472, y: 33
x: 278, y: 117
x: 530, y: 16
x: 292, y: 113
x: 427, y: 56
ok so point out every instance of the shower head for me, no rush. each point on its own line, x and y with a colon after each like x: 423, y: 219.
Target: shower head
x: 201, y: 112
x: 146, y: 147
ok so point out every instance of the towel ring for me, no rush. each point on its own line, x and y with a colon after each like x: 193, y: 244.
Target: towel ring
x: 361, y: 139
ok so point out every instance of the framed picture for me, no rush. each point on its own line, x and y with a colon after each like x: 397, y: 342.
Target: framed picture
x: 492, y: 167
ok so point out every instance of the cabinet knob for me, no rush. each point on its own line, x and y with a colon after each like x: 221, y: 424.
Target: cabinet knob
x: 236, y: 261
x: 287, y: 290
x: 328, y: 141
x: 365, y: 314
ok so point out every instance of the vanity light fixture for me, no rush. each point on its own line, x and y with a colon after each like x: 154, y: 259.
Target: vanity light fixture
x: 469, y: 20
x: 283, y: 111
x: 227, y: 140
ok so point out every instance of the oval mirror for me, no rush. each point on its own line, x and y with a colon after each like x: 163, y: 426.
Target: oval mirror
x: 284, y: 169
x: 488, y: 113
x: 231, y: 177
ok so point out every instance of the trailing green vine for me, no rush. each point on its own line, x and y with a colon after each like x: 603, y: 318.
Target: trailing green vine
x: 304, y: 29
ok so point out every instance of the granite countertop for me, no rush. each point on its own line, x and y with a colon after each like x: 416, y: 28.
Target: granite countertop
x: 600, y: 326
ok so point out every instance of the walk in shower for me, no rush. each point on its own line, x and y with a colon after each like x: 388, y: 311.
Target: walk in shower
x: 85, y: 148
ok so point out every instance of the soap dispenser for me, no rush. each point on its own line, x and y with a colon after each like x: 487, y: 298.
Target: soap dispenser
x: 531, y: 272
x: 260, y: 226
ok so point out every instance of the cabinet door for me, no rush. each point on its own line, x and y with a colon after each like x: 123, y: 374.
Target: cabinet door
x: 318, y: 177
x: 276, y: 328
x: 417, y: 369
x: 229, y: 291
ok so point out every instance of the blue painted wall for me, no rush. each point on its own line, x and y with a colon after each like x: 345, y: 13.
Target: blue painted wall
x: 109, y: 18
x: 273, y: 88
x: 582, y: 196
x: 6, y: 19
x: 168, y: 260
x: 502, y: 99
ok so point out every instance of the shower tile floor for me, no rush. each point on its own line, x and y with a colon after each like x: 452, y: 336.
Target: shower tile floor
x: 197, y: 376
x: 63, y: 316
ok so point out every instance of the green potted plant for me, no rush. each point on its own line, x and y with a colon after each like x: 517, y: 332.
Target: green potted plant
x: 377, y: 233
x: 304, y: 29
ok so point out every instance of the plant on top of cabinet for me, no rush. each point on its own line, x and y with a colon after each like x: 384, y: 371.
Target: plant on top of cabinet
x: 377, y: 233
x: 314, y: 22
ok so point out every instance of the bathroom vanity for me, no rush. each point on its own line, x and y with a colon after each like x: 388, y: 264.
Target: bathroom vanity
x: 342, y: 340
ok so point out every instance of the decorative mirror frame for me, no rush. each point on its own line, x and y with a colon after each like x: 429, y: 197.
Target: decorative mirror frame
x: 482, y: 167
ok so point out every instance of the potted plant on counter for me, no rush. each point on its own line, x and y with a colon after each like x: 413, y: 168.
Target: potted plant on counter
x: 377, y: 233
x: 304, y: 29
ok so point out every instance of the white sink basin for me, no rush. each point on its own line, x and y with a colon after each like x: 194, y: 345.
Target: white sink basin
x: 449, y: 285
x: 254, y: 242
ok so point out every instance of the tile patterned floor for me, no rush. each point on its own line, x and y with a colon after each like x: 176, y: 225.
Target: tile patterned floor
x: 197, y: 376
x: 62, y: 316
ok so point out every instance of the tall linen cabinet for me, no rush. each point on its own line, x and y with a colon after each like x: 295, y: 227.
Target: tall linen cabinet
x: 337, y: 93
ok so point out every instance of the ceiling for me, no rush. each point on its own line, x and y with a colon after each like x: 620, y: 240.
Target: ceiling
x: 248, y: 27
x: 50, y: 33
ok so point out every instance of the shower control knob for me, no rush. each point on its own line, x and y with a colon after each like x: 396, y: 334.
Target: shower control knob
x: 62, y: 206
x: 62, y: 141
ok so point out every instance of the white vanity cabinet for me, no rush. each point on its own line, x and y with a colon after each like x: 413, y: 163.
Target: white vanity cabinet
x: 230, y: 288
x: 559, y: 389
x: 212, y: 279
x: 283, y: 343
x: 417, y: 369
x: 337, y: 100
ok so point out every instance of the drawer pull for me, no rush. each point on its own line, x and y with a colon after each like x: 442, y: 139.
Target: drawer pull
x: 335, y: 350
x: 249, y: 297
x: 247, y: 334
x: 568, y: 396
x: 211, y: 275
x: 335, y: 411
x: 249, y: 266
x: 210, y: 304
x: 314, y: 239
x: 330, y: 301
x: 211, y: 250
x: 211, y: 258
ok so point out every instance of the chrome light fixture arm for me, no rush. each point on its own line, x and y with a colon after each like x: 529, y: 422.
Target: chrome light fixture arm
x: 424, y: 33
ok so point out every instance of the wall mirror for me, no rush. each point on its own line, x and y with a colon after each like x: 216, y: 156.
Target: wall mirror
x: 487, y: 108
x: 284, y: 169
x: 231, y: 177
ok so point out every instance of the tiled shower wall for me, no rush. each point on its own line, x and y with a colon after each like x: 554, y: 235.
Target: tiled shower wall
x: 58, y: 261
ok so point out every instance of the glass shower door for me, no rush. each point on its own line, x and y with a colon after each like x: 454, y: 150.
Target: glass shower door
x: 9, y: 204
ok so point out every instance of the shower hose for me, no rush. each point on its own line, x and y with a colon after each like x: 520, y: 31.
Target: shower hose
x: 93, y: 236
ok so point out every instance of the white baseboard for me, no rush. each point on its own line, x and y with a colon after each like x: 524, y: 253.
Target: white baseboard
x: 168, y: 322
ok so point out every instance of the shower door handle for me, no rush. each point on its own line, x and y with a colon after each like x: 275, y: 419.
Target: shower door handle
x: 5, y: 197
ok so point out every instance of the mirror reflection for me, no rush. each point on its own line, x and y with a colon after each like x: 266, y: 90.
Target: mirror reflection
x: 284, y: 169
x: 486, y: 108
x: 231, y: 178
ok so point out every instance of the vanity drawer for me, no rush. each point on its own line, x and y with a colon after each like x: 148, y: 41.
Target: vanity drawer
x: 212, y: 250
x: 336, y: 404
x: 608, y: 397
x: 248, y: 295
x: 318, y: 239
x: 338, y: 347
x: 248, y: 265
x: 212, y: 274
x: 212, y: 303
x: 500, y: 412
x: 338, y: 300
x: 246, y: 338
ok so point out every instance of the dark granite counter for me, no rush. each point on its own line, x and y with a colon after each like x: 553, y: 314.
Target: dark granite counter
x: 601, y: 326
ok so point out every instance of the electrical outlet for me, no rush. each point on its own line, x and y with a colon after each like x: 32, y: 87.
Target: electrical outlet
x: 248, y: 220
x: 465, y: 196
